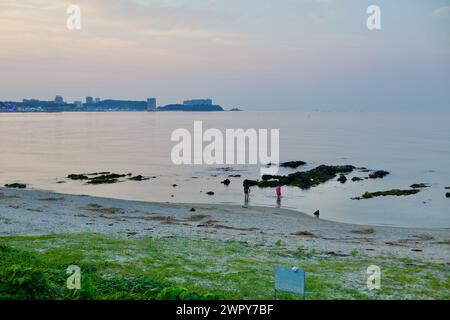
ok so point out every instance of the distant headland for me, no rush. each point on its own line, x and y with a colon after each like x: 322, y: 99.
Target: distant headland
x: 97, y: 105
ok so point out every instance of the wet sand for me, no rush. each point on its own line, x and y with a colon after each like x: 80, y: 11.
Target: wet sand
x: 34, y: 212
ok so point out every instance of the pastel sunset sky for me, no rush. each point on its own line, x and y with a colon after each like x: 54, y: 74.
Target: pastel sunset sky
x: 254, y: 54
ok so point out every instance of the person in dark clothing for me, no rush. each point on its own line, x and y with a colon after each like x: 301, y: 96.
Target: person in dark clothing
x: 246, y: 192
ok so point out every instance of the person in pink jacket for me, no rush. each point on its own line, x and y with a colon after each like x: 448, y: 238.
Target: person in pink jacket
x: 278, y: 190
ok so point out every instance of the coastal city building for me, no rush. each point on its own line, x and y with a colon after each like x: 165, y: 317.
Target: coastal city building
x: 151, y: 104
x: 59, y: 100
x: 98, y: 105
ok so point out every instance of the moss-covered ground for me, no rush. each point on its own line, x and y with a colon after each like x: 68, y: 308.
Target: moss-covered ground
x: 34, y: 267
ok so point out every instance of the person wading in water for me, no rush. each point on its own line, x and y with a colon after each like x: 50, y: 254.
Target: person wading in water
x: 246, y: 192
x: 278, y: 191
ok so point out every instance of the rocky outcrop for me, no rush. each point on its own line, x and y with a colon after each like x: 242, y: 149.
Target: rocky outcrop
x: 77, y: 177
x: 393, y: 192
x: 419, y: 186
x: 106, y: 178
x: 138, y: 178
x: 306, y: 179
x: 342, y: 179
x: 292, y: 164
x: 378, y: 174
x: 16, y: 186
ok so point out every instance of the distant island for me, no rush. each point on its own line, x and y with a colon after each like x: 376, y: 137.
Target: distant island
x: 192, y: 105
x: 108, y: 105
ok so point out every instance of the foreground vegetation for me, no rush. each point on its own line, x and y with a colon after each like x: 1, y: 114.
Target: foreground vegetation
x: 180, y: 268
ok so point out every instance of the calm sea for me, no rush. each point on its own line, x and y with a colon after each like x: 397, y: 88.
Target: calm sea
x: 41, y: 149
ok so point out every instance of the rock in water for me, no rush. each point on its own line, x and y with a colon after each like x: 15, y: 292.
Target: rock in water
x: 356, y: 179
x: 378, y: 174
x: 342, y: 179
x: 77, y: 177
x: 16, y: 186
x: 210, y: 193
x: 447, y: 194
x: 317, y: 213
x: 138, y: 178
x: 267, y: 177
x: 226, y: 182
x: 419, y: 185
x: 393, y: 192
x: 307, y: 179
x: 106, y: 179
x: 293, y: 164
x: 192, y: 210
x: 250, y: 183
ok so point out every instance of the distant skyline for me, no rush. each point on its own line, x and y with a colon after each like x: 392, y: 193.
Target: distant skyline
x: 290, y: 55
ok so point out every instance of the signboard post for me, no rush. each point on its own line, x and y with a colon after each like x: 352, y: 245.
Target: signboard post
x: 290, y: 280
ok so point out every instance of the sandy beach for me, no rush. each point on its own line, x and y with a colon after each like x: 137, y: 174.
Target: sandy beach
x: 34, y: 212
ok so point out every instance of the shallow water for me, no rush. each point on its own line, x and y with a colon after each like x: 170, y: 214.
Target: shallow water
x: 41, y: 149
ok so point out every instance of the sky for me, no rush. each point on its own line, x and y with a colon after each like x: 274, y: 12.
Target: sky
x: 305, y: 55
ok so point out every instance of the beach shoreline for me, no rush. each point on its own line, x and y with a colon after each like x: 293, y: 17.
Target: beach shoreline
x: 36, y: 212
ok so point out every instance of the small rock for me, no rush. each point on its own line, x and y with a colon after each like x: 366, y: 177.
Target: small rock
x: 210, y: 193
x: 342, y: 179
x: 393, y: 192
x: 378, y: 174
x: 77, y: 177
x: 226, y: 182
x: 138, y: 178
x: 16, y: 186
x: 192, y: 210
x: 174, y: 185
x: 317, y: 213
x: 447, y: 195
x: 356, y: 179
x: 419, y: 185
x: 293, y: 164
